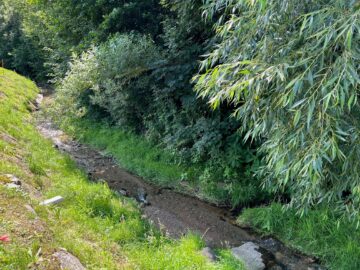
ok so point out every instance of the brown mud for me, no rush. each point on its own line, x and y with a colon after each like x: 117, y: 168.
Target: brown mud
x: 174, y: 213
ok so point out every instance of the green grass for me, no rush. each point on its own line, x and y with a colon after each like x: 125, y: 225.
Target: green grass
x: 103, y: 230
x: 320, y: 233
x: 133, y: 152
x: 155, y: 164
x: 141, y: 157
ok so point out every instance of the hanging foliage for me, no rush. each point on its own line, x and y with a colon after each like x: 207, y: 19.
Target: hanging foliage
x: 290, y: 68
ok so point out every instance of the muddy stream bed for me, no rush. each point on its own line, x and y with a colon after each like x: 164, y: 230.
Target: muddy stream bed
x: 174, y: 213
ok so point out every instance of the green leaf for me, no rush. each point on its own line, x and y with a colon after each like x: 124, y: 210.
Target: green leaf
x: 297, y: 117
x: 349, y: 36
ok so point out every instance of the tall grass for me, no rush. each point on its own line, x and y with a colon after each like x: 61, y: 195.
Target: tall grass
x: 103, y: 230
x: 156, y: 164
x: 320, y: 233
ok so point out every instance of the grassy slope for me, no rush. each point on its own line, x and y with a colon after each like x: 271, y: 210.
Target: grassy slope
x: 104, y: 231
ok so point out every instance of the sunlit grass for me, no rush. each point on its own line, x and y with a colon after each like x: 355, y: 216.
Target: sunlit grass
x: 103, y: 230
x: 154, y: 163
x: 319, y: 233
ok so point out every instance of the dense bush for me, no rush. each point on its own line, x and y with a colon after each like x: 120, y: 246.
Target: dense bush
x: 17, y: 50
x: 108, y: 78
x: 38, y: 37
x: 291, y: 68
x: 146, y: 88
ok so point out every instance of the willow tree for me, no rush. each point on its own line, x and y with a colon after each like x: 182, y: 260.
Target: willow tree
x: 290, y: 68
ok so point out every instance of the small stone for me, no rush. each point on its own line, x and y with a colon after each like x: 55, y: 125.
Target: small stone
x: 38, y: 101
x: 142, y: 197
x: 13, y: 179
x: 270, y: 242
x: 68, y: 261
x: 249, y: 254
x: 123, y: 192
x: 12, y: 186
x: 55, y: 200
x: 279, y: 256
x: 30, y: 209
x: 209, y: 254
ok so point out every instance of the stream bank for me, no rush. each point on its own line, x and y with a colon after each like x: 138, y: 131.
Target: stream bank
x: 173, y: 213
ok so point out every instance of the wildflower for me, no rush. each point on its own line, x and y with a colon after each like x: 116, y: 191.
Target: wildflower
x: 4, y: 238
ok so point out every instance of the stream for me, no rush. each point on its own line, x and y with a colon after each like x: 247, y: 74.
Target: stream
x: 177, y: 214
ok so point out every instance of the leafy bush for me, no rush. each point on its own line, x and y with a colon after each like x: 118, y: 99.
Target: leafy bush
x: 122, y: 88
x: 17, y: 50
x: 290, y: 69
x: 141, y: 86
x: 108, y: 77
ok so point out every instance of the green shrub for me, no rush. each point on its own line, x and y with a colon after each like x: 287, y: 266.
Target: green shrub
x: 131, y: 83
x: 108, y: 79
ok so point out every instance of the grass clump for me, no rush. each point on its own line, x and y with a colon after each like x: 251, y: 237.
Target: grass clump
x: 93, y: 223
x: 320, y: 233
x: 158, y: 165
x: 181, y: 256
x: 133, y: 152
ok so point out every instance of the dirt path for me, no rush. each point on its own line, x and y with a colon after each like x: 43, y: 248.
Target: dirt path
x: 174, y: 213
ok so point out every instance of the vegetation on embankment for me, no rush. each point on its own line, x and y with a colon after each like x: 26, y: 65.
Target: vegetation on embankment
x: 131, y: 66
x: 102, y: 229
x: 151, y: 162
x: 320, y: 233
x: 282, y: 78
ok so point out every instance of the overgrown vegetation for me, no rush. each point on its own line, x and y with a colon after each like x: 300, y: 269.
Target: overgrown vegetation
x: 108, y: 81
x: 321, y: 233
x: 131, y: 65
x: 103, y: 230
x: 17, y: 50
x: 281, y: 77
x: 291, y: 70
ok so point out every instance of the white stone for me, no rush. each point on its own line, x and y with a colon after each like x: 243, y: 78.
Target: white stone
x: 38, y: 100
x: 13, y: 179
x: 12, y: 185
x: 68, y: 261
x: 30, y: 209
x: 55, y: 200
x: 249, y: 254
